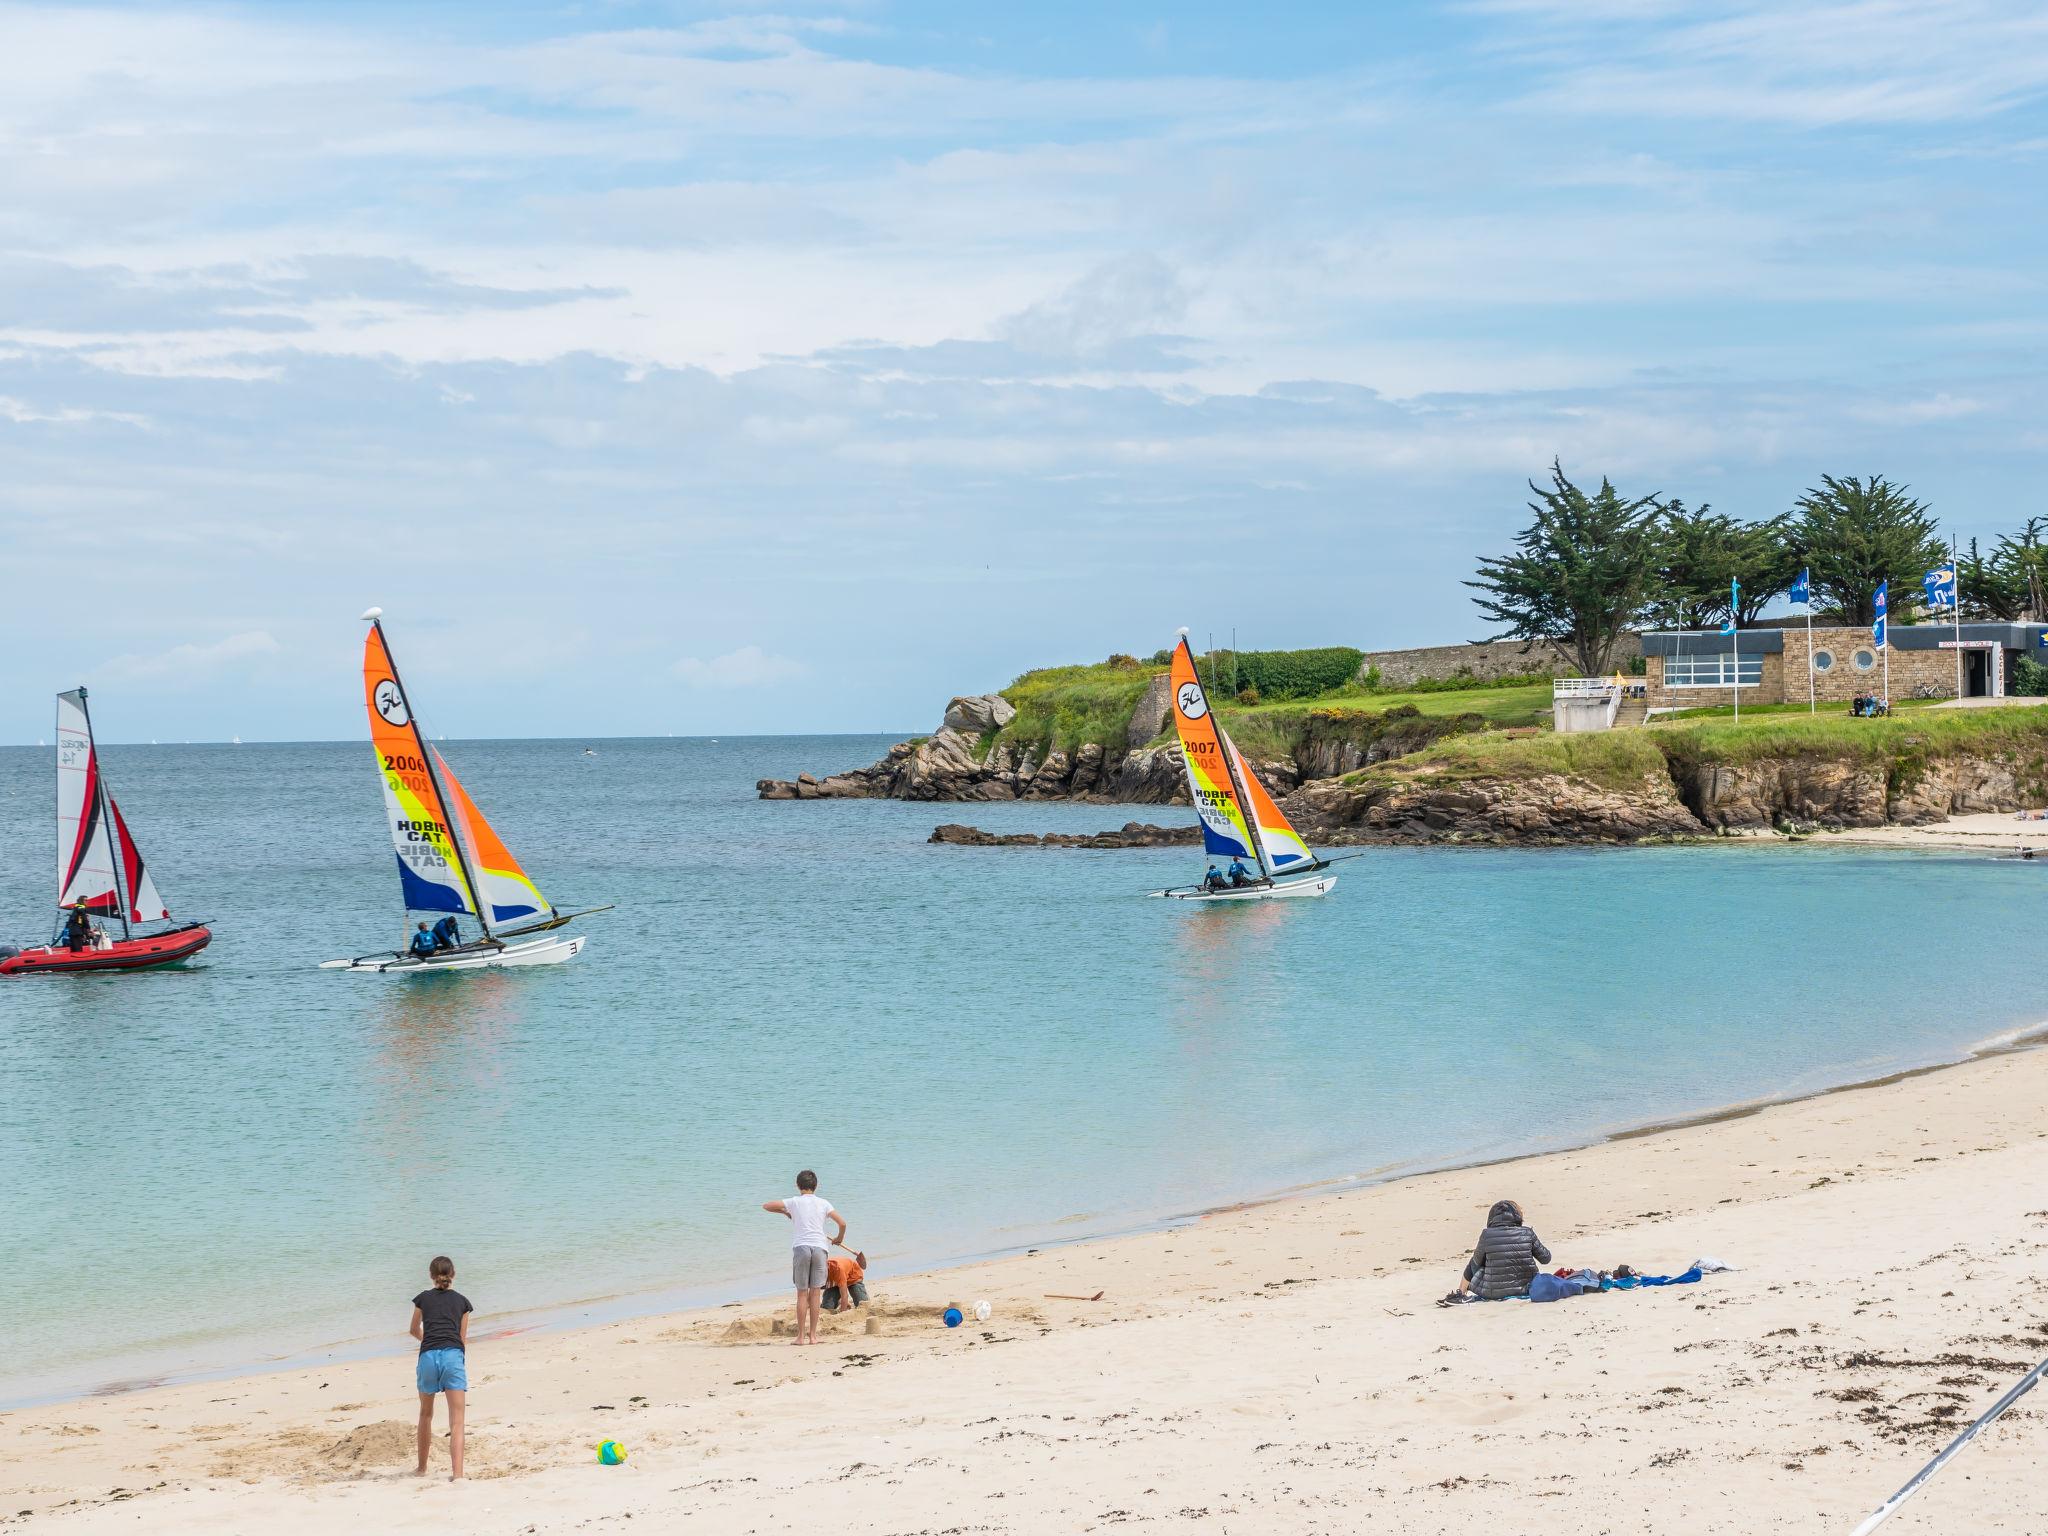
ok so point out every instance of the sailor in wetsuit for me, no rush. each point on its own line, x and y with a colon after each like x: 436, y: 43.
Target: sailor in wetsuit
x: 1239, y: 875
x: 447, y: 935
x: 78, y: 929
x: 1214, y: 879
x: 423, y: 946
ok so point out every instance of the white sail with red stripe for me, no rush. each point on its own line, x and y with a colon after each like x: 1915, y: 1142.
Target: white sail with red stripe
x: 98, y: 863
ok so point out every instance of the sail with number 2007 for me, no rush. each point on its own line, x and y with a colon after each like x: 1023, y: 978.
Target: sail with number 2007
x: 1240, y: 820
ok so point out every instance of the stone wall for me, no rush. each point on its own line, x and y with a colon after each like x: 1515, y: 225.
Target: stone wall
x: 1487, y: 658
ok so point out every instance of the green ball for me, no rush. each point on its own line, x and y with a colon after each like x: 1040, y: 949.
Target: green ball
x: 611, y: 1453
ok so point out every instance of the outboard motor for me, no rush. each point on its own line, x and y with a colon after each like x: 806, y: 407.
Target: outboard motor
x: 8, y: 951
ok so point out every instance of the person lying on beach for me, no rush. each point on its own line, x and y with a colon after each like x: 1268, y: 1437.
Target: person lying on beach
x: 1506, y: 1258
x: 846, y: 1278
x: 808, y: 1212
x: 440, y: 1321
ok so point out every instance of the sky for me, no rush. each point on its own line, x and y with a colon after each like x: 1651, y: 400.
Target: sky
x: 708, y: 369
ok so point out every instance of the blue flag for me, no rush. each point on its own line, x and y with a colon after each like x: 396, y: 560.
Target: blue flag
x: 1734, y: 606
x: 1877, y: 626
x: 1802, y: 589
x: 1941, y: 586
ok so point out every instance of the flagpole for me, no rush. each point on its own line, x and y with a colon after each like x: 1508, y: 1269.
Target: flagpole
x: 1881, y: 634
x: 1735, y: 640
x: 1955, y: 569
x: 1812, y: 700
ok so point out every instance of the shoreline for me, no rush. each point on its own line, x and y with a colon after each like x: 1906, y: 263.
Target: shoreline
x: 1285, y: 1353
x: 566, y: 1318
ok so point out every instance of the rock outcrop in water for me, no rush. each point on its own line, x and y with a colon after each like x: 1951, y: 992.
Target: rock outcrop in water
x: 1133, y: 834
x: 960, y: 762
x: 969, y: 758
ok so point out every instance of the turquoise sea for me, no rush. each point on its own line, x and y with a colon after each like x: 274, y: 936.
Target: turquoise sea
x: 977, y: 1048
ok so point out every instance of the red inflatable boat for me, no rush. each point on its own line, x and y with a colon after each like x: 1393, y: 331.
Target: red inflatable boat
x: 136, y: 954
x: 101, y: 879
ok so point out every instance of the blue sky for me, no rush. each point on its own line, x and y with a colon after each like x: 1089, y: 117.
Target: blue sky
x: 710, y: 369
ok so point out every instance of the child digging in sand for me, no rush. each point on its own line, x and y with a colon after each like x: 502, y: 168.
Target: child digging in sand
x: 440, y: 1321
x: 808, y: 1211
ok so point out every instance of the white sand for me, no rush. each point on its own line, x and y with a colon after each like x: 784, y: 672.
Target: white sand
x: 1990, y: 831
x: 1273, y: 1369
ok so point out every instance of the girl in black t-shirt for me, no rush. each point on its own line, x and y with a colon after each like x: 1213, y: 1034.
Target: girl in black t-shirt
x: 440, y: 1321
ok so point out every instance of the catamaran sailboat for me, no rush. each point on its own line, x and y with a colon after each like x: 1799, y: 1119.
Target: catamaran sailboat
x: 450, y: 861
x: 100, y: 874
x: 1239, y: 819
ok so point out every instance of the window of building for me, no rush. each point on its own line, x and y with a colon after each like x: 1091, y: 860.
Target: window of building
x: 1864, y: 660
x: 1711, y: 671
x: 1823, y: 661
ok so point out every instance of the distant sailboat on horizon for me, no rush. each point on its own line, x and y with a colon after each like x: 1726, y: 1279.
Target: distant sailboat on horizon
x: 450, y: 860
x: 1239, y: 819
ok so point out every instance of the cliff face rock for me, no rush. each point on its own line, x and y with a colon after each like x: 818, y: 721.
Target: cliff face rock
x: 1821, y: 792
x: 1801, y: 791
x: 973, y: 714
x: 1343, y: 742
x: 1549, y: 808
x: 1148, y: 719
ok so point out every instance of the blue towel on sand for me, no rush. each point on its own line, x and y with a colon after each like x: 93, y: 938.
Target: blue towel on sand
x: 1558, y: 1287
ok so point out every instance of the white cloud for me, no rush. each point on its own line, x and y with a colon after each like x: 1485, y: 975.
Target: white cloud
x: 747, y: 667
x: 191, y: 660
x: 22, y: 414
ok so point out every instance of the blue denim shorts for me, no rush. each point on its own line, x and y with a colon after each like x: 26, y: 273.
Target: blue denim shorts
x: 443, y: 1370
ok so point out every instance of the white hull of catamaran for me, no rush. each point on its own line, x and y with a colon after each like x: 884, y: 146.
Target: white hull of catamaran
x: 548, y: 951
x: 1281, y: 891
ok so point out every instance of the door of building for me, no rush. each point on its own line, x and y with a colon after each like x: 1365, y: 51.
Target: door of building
x: 1977, y: 673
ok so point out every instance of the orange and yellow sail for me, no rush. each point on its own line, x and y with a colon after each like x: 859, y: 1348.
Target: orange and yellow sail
x: 1221, y: 785
x: 424, y: 830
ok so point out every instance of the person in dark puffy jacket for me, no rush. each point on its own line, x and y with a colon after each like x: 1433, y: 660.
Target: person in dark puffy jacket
x: 1508, y: 1256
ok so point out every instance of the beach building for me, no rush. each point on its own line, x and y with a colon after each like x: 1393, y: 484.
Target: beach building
x: 1694, y: 668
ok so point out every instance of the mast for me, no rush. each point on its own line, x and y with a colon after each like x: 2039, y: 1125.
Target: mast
x: 1244, y: 803
x: 115, y: 841
x: 412, y: 723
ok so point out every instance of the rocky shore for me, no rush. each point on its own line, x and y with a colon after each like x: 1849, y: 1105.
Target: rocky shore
x: 969, y: 758
x: 1324, y: 792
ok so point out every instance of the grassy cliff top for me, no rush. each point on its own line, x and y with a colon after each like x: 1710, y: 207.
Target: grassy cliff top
x: 1063, y: 707
x: 1618, y: 759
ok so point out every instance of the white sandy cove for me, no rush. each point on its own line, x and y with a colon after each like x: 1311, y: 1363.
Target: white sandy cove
x: 1272, y: 1369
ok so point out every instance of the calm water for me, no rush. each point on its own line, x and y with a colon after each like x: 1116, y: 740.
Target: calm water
x: 977, y: 1048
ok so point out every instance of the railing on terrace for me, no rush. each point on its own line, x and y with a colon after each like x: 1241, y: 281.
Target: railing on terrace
x: 1609, y: 691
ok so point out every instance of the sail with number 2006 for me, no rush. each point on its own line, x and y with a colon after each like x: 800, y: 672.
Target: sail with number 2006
x: 450, y: 859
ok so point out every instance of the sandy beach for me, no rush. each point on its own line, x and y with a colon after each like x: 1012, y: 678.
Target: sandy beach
x: 1996, y: 832
x: 1280, y: 1367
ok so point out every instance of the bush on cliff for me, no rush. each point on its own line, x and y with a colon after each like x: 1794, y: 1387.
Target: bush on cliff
x: 1281, y: 676
x: 1060, y: 708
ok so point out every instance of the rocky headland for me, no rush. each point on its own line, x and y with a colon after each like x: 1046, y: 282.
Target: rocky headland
x: 1352, y: 775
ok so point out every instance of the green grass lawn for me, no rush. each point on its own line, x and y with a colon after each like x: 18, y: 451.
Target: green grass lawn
x: 1904, y: 743
x: 1523, y: 704
x: 1727, y: 711
x: 1611, y: 759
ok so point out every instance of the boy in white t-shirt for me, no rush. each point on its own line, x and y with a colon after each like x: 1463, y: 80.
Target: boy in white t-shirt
x: 808, y: 1212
